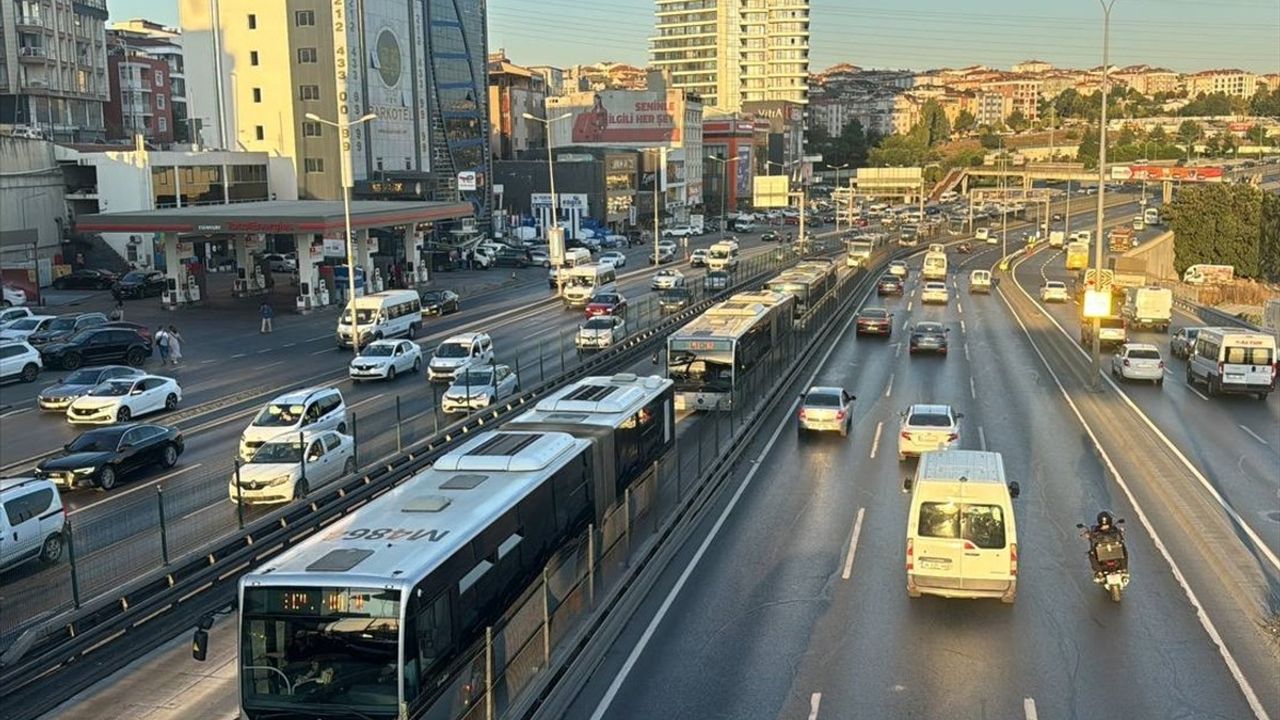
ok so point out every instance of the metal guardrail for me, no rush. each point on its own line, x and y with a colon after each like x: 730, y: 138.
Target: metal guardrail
x: 56, y: 641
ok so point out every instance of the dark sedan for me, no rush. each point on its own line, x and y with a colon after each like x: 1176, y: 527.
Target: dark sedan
x: 889, y: 285
x: 674, y: 300
x: 874, y: 321
x: 99, y: 458
x: 511, y: 257
x: 59, y: 395
x: 141, y: 284
x: 769, y: 236
x: 86, y: 279
x: 64, y: 326
x: 439, y: 302
x: 928, y: 337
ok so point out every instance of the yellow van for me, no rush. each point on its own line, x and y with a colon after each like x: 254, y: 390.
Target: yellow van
x: 962, y: 540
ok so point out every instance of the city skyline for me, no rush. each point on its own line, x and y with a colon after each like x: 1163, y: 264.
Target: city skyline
x: 914, y: 34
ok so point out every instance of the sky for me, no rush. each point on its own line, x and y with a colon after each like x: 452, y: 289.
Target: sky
x: 1184, y: 35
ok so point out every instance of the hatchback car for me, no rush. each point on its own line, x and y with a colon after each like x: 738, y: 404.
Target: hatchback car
x: 64, y: 326
x: 934, y: 292
x: 384, y: 359
x: 33, y: 522
x: 899, y: 268
x: 100, y: 458
x: 59, y: 395
x: 10, y: 315
x: 122, y: 399
x: 309, y: 410
x: 1054, y: 291
x: 825, y: 408
x: 928, y: 337
x: 926, y: 428
x: 600, y: 332
x: 1138, y: 361
x: 279, y: 470
x: 667, y: 279
x: 889, y: 285
x: 23, y: 328
x: 874, y: 321
x: 18, y: 360
x: 1183, y: 342
x: 439, y: 302
x: 479, y: 387
x: 12, y: 296
x: 606, y: 303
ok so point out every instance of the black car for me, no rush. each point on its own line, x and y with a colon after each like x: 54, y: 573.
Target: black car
x: 101, y: 457
x: 674, y: 300
x: 141, y: 284
x: 96, y: 346
x: 86, y: 279
x: 717, y: 280
x: 511, y: 257
x: 64, y: 326
x: 59, y: 395
x: 889, y: 285
x: 928, y: 337
x: 769, y: 236
x: 439, y: 302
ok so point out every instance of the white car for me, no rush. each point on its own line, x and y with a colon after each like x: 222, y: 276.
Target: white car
x: 667, y: 279
x: 926, y: 428
x: 19, y: 360
x: 22, y: 328
x: 983, y: 234
x: 279, y: 472
x: 308, y: 409
x: 934, y: 292
x: 826, y: 408
x: 698, y: 258
x: 681, y: 231
x: 10, y: 315
x: 383, y: 359
x: 540, y: 257
x: 1054, y: 291
x: 122, y: 399
x: 600, y: 332
x: 899, y: 268
x: 281, y: 263
x: 613, y: 257
x: 13, y: 296
x: 478, y: 387
x: 1138, y: 361
x: 458, y: 353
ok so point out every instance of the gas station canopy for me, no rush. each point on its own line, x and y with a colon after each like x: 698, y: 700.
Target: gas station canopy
x: 274, y: 216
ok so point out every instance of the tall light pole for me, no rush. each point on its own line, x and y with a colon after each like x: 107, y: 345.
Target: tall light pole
x: 1004, y: 202
x: 343, y: 126
x: 724, y: 185
x: 1146, y: 148
x: 658, y: 169
x: 551, y: 176
x: 1095, y: 366
x: 837, y: 168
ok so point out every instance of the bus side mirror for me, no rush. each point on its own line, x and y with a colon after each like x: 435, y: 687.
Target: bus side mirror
x: 906, y: 484
x: 1014, y: 489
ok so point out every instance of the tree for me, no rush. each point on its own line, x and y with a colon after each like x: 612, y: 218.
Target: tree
x: 1158, y: 135
x: 1211, y: 105
x: 1256, y: 135
x: 1269, y: 240
x: 1126, y: 136
x: 851, y: 146
x: 899, y: 151
x: 1188, y: 133
x: 1087, y: 152
x: 989, y: 140
x: 1265, y: 103
x: 1017, y: 121
x: 965, y: 122
x: 818, y: 141
x: 933, y: 125
x: 1223, y: 224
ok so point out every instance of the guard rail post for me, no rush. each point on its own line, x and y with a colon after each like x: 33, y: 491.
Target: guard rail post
x: 355, y: 440
x: 164, y: 535
x: 71, y: 560
x: 399, y: 432
x: 519, y: 382
x: 546, y: 619
x: 591, y: 564
x: 239, y: 497
x: 302, y: 442
x: 542, y: 372
x: 562, y: 351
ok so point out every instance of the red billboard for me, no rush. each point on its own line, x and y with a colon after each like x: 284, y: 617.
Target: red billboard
x: 626, y: 117
x: 1163, y: 172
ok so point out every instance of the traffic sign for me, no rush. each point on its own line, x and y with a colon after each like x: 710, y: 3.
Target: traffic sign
x: 1092, y: 276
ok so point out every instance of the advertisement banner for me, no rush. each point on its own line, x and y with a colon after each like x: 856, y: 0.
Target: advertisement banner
x: 392, y: 81
x: 335, y: 247
x: 743, y: 170
x: 540, y: 200
x: 1162, y: 172
x: 771, y: 191
x: 624, y: 117
x: 467, y: 180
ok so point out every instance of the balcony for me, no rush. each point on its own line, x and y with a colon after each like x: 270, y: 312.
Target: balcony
x: 32, y: 54
x: 31, y: 21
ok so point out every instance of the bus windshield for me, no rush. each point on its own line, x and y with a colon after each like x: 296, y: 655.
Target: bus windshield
x: 326, y: 651
x: 701, y: 371
x: 364, y: 316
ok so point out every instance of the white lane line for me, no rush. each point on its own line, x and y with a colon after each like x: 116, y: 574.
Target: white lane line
x: 973, y: 390
x: 288, y: 344
x: 273, y: 364
x: 1254, y: 435
x: 321, y: 352
x: 265, y: 350
x: 327, y: 336
x: 889, y: 390
x: 1029, y: 709
x: 963, y: 329
x: 982, y: 438
x: 897, y: 349
x: 208, y: 362
x: 814, y: 701
x: 143, y: 486
x: 959, y: 307
x: 603, y: 707
x: 909, y: 304
x: 238, y: 355
x: 875, y: 441
x: 853, y: 544
x: 11, y: 413
x: 375, y: 397
x: 1197, y: 392
x: 966, y: 351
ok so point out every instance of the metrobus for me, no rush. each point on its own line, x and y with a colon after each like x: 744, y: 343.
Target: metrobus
x: 858, y: 250
x: 710, y: 356
x: 819, y: 265
x: 808, y: 288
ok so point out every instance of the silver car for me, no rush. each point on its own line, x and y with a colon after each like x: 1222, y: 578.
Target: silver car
x: 826, y: 408
x: 1138, y: 361
x: 478, y: 387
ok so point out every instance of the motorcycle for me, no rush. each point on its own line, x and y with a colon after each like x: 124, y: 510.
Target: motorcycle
x: 964, y: 247
x: 1109, y: 558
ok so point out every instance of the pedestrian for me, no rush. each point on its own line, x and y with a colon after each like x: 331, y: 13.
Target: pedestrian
x: 118, y: 312
x: 266, y: 312
x: 175, y: 345
x: 162, y: 344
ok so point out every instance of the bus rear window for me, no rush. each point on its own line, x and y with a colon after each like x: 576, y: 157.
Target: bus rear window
x: 1237, y: 355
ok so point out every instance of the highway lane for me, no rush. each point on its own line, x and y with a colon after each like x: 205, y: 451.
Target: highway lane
x: 769, y: 626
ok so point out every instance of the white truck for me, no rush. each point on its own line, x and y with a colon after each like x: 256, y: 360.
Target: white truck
x: 1149, y: 307
x: 1271, y: 318
x: 1057, y: 238
x: 935, y: 266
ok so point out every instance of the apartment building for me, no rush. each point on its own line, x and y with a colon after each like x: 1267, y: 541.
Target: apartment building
x: 1231, y: 82
x: 514, y: 91
x: 143, y: 38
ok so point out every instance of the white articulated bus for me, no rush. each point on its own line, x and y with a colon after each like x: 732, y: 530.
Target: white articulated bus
x: 808, y: 288
x: 858, y: 251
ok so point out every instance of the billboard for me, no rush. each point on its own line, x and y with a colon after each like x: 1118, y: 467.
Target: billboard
x: 742, y: 168
x: 1162, y: 172
x: 889, y: 177
x: 771, y: 191
x: 620, y: 117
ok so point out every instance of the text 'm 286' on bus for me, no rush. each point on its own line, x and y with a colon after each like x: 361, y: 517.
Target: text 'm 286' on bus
x: 381, y: 614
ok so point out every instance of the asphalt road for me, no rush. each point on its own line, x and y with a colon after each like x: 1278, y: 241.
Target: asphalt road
x: 792, y: 612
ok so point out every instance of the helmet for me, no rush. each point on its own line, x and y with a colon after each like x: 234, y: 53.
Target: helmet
x: 1105, y: 520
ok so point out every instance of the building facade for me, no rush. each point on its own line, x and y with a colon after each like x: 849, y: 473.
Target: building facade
x: 733, y: 53
x: 141, y: 102
x: 53, y: 68
x: 514, y: 91
x: 422, y: 71
x: 153, y: 40
x: 1230, y: 82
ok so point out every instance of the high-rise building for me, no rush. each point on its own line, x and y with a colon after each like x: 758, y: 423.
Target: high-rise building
x: 143, y: 39
x: 255, y: 70
x: 731, y: 53
x: 53, y: 67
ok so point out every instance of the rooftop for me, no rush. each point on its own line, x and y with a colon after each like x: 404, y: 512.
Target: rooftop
x: 273, y: 216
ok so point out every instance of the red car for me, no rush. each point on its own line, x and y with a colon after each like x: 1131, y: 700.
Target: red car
x: 874, y: 321
x: 860, y: 222
x: 610, y: 303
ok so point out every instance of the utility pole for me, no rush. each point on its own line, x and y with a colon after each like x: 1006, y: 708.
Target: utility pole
x: 1095, y: 365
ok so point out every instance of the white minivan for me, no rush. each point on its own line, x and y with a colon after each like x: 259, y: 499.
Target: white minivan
x: 1233, y: 360
x: 392, y: 313
x: 587, y: 280
x: 573, y: 257
x: 962, y: 541
x: 33, y: 522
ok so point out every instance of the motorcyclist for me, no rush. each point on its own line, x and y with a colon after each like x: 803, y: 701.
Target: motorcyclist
x: 1105, y: 529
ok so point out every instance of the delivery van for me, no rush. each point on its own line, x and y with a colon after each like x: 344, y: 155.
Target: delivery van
x: 962, y: 540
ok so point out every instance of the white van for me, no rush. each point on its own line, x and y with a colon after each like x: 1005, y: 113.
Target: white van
x: 962, y: 541
x: 573, y: 257
x: 33, y: 522
x: 587, y: 280
x: 723, y: 256
x: 980, y: 281
x: 381, y: 315
x: 1233, y: 360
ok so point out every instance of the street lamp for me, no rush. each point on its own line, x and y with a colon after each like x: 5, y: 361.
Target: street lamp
x: 551, y: 175
x: 343, y: 126
x: 724, y: 186
x: 1146, y: 153
x: 1095, y: 365
x: 657, y: 182
x: 837, y: 168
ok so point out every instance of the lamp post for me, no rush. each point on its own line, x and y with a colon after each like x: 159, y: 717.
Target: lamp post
x: 551, y: 176
x: 1095, y: 365
x: 343, y: 126
x: 657, y: 186
x: 837, y: 168
x: 724, y: 186
x: 1146, y: 150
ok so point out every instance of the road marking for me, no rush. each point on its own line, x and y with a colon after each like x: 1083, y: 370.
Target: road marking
x: 11, y: 413
x: 208, y: 362
x: 322, y: 352
x: 288, y: 345
x: 982, y: 438
x: 327, y: 336
x: 897, y: 349
x: 909, y: 304
x: 1029, y: 709
x: 875, y: 441
x: 966, y: 350
x: 361, y: 402
x: 973, y: 391
x: 1254, y: 435
x: 889, y: 390
x: 265, y: 350
x: 1197, y: 392
x: 814, y: 701
x: 238, y: 355
x: 959, y: 307
x: 963, y: 329
x: 853, y: 544
x: 612, y: 691
x: 273, y: 364
x: 144, y: 486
